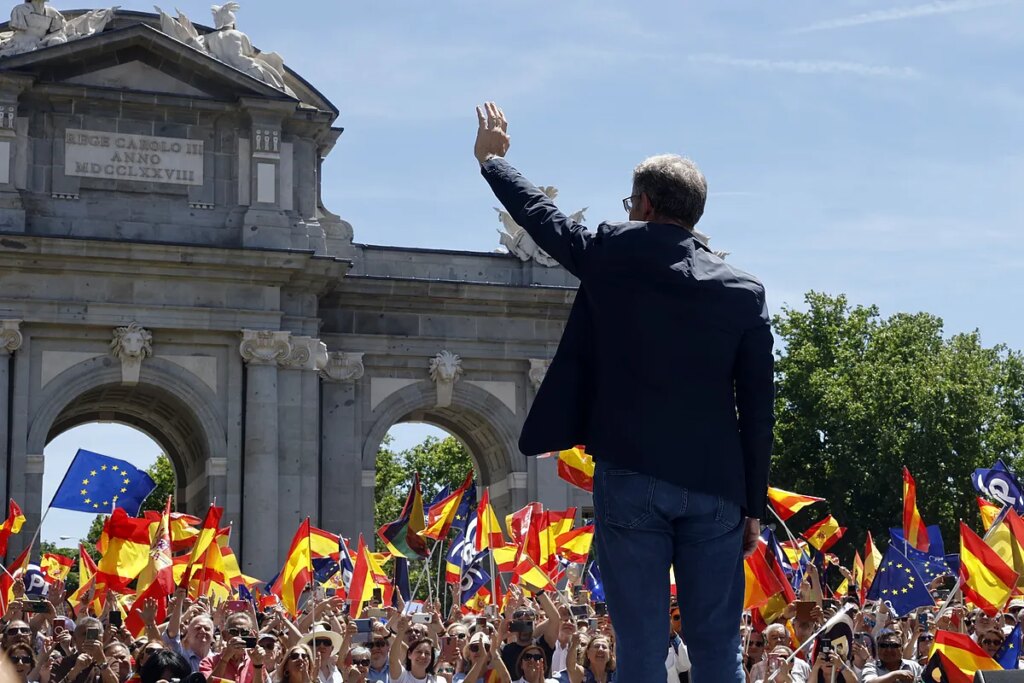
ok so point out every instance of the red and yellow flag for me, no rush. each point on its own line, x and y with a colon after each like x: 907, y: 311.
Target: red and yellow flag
x: 961, y: 656
x: 786, y: 503
x: 574, y: 545
x: 211, y: 525
x: 1007, y: 539
x: 824, y: 534
x: 576, y: 466
x: 488, y: 530
x: 86, y: 584
x: 553, y: 524
x: 531, y: 577
x: 989, y: 512
x: 308, y: 542
x: 914, y: 530
x: 760, y: 582
x: 55, y: 567
x: 872, y: 561
x: 160, y: 565
x: 986, y: 579
x: 441, y: 515
x: 11, y: 526
x: 14, y: 572
x: 361, y: 587
x: 126, y: 551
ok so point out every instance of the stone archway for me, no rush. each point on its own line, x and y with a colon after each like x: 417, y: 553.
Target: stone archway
x: 167, y: 404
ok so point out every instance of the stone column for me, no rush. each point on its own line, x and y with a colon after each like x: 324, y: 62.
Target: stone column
x: 13, y: 152
x: 342, y: 445
x: 10, y: 341
x: 261, y: 350
x: 307, y: 356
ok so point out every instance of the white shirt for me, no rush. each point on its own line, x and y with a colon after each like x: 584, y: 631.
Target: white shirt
x: 559, y: 657
x: 407, y: 677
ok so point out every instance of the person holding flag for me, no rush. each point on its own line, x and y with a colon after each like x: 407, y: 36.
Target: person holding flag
x: 682, y: 438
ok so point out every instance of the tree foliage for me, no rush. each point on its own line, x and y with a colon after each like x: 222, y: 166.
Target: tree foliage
x: 859, y: 396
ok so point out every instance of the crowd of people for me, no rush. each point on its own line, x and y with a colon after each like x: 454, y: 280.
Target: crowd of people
x: 549, y: 636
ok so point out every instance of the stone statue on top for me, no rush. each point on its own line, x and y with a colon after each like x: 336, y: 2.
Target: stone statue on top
x: 35, y: 25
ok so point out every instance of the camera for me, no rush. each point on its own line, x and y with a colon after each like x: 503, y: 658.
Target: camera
x: 93, y: 633
x: 34, y: 605
x: 116, y: 620
x: 601, y: 609
x: 579, y: 611
x: 363, y: 625
x: 250, y: 641
x: 422, y: 618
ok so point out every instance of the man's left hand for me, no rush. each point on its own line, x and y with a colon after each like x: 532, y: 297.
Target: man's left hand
x: 492, y: 138
x: 750, y: 534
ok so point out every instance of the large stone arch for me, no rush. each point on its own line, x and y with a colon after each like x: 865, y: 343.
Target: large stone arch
x: 488, y: 429
x: 169, y: 404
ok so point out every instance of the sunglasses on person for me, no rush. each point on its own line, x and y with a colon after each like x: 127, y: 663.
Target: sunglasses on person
x: 475, y: 647
x: 379, y: 643
x: 18, y: 630
x: 519, y: 616
x: 323, y: 642
x: 360, y: 662
x: 991, y: 641
x: 755, y: 643
x: 295, y: 656
x: 533, y: 657
x: 460, y: 636
x: 925, y: 639
x: 237, y: 631
x: 889, y: 646
x: 23, y: 659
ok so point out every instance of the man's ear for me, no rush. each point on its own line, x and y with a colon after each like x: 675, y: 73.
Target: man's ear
x: 646, y: 208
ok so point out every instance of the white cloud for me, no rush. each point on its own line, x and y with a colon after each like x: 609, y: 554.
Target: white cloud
x: 809, y: 67
x: 926, y: 9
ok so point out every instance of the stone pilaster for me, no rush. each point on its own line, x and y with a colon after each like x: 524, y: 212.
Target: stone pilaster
x: 261, y: 350
x: 10, y: 341
x: 341, y: 493
x: 13, y: 152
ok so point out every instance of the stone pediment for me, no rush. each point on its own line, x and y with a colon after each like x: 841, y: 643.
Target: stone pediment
x: 139, y: 57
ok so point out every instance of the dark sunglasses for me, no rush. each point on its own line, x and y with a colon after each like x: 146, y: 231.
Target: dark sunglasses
x: 926, y: 639
x: 534, y: 657
x: 889, y: 646
x: 360, y: 662
x: 991, y: 641
x: 295, y: 656
x: 756, y: 643
x: 236, y: 631
x: 24, y: 659
x: 522, y: 615
x: 475, y: 647
x: 460, y: 636
x: 379, y: 643
x: 323, y: 642
x: 18, y: 630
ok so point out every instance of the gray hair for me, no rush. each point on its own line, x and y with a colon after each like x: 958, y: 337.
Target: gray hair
x: 87, y: 623
x: 775, y: 628
x: 676, y: 187
x: 360, y: 652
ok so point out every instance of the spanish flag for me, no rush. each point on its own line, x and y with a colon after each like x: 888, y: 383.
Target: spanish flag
x: 760, y: 582
x: 86, y: 585
x: 441, y: 515
x: 786, y: 504
x: 958, y: 657
x: 488, y: 530
x: 576, y: 466
x: 297, y: 572
x: 872, y: 561
x: 505, y: 558
x: 913, y: 526
x: 55, y: 567
x: 553, y: 524
x: 211, y: 525
x: 1007, y: 539
x: 989, y: 512
x: 532, y: 577
x: 11, y: 526
x: 402, y: 536
x: 575, y: 545
x: 825, y: 533
x: 361, y: 588
x: 126, y: 551
x: 184, y: 528
x: 14, y: 572
x: 986, y: 580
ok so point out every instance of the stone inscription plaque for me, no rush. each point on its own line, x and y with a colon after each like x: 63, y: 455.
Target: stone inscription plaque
x: 143, y: 158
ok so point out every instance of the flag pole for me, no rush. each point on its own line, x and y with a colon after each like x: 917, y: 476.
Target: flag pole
x: 315, y: 584
x: 956, y: 586
x: 803, y: 551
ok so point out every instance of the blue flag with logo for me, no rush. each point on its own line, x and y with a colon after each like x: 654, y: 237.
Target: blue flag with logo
x: 1010, y: 650
x: 928, y: 564
x: 474, y: 577
x: 998, y: 484
x: 98, y: 483
x: 898, y: 584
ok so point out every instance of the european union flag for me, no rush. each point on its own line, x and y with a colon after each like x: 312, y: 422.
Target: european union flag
x: 928, y: 564
x: 595, y: 584
x: 98, y: 483
x: 898, y: 584
x: 1010, y: 650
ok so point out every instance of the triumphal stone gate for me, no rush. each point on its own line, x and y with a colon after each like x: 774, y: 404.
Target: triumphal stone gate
x: 166, y: 262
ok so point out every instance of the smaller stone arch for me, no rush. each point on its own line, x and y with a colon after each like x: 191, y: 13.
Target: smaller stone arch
x: 169, y: 404
x: 488, y: 429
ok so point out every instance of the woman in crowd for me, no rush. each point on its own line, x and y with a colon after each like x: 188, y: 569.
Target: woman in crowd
x: 484, y: 659
x: 164, y: 665
x: 829, y: 667
x: 360, y: 665
x: 24, y: 660
x: 754, y: 652
x: 297, y: 666
x: 533, y: 664
x: 598, y: 665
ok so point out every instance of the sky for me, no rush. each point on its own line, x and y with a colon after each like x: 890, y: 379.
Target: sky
x: 857, y: 146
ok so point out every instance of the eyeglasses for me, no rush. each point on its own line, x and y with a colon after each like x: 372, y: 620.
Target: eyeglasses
x: 756, y: 643
x: 323, y: 642
x: 925, y: 639
x: 889, y: 646
x: 533, y: 657
x: 360, y: 662
x: 475, y: 647
x: 379, y: 643
x: 24, y: 659
x: 991, y: 641
x: 627, y: 203
x: 18, y: 630
x: 236, y: 631
x: 295, y: 656
x: 518, y: 616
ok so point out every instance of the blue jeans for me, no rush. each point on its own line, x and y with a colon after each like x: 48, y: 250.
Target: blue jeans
x: 644, y: 526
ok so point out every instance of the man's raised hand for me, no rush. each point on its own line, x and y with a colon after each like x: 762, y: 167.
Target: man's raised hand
x: 492, y: 138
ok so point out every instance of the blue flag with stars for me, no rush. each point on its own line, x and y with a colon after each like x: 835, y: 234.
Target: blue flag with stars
x: 98, y: 483
x: 1009, y: 651
x: 898, y: 584
x: 928, y: 564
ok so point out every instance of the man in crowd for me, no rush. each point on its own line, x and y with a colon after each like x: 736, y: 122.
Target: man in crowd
x: 238, y: 661
x: 665, y: 344
x: 890, y: 667
x: 195, y: 645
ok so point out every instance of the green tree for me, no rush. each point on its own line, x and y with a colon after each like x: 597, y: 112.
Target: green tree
x: 859, y: 397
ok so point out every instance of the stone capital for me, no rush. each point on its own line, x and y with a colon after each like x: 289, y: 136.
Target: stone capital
x: 265, y: 347
x: 34, y: 464
x: 216, y: 467
x: 343, y: 366
x: 10, y: 336
x: 306, y: 353
x: 538, y: 369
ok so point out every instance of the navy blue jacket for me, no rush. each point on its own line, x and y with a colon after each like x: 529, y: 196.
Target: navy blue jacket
x: 665, y: 366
